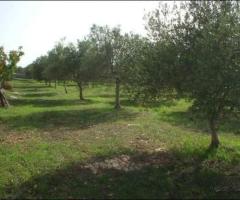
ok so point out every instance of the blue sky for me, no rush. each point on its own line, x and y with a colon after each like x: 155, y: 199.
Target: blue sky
x: 37, y: 25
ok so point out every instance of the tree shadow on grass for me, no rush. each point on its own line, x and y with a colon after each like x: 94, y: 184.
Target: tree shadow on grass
x: 24, y: 80
x: 49, y: 102
x: 129, y: 102
x: 102, y: 178
x: 123, y: 102
x: 73, y: 119
x: 187, y: 120
x: 105, y: 95
x: 25, y: 90
x: 40, y: 94
x: 160, y: 103
x: 31, y: 86
x: 133, y: 176
x: 232, y: 124
x: 182, y: 118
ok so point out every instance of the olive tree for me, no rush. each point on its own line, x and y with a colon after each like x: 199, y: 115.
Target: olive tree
x: 38, y: 68
x: 73, y: 62
x: 82, y: 63
x: 118, y: 51
x: 205, y: 66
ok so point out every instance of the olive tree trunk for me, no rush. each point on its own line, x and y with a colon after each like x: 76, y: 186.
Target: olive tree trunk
x: 214, y: 136
x: 117, y: 94
x: 3, y: 100
x: 80, y: 86
x: 65, y: 88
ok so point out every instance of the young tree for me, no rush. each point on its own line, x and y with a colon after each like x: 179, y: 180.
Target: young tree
x: 54, y: 66
x: 82, y: 63
x: 38, y: 67
x: 117, y: 49
x: 7, y: 66
x: 72, y: 62
x: 130, y: 63
x: 28, y: 71
x: 107, y: 41
x: 55, y: 62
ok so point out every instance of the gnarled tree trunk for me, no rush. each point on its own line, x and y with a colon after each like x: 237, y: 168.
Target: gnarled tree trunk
x: 3, y: 99
x: 117, y: 94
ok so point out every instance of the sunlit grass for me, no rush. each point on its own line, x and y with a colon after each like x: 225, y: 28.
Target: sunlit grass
x: 47, y: 134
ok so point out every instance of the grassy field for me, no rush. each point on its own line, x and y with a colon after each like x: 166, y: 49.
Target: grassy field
x: 52, y: 145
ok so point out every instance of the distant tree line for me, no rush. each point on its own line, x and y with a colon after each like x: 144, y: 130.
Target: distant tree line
x: 23, y: 72
x: 190, y: 52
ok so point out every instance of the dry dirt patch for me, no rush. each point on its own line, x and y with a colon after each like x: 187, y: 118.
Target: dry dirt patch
x: 14, y: 138
x: 128, y: 163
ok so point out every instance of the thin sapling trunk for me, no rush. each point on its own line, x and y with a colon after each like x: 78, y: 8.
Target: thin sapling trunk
x: 80, y: 86
x: 214, y: 135
x: 65, y: 88
x: 117, y: 94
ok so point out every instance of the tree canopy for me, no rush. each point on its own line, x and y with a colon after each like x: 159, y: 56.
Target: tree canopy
x: 191, y: 51
x: 205, y: 64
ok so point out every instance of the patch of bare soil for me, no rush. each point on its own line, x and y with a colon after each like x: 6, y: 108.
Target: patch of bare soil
x: 15, y: 138
x: 128, y: 163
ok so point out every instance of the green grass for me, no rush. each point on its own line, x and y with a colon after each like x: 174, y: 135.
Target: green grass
x: 52, y: 145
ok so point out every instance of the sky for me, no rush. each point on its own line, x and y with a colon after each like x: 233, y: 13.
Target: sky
x: 38, y: 25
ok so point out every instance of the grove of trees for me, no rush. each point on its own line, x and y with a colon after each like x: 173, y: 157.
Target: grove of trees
x: 191, y: 51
